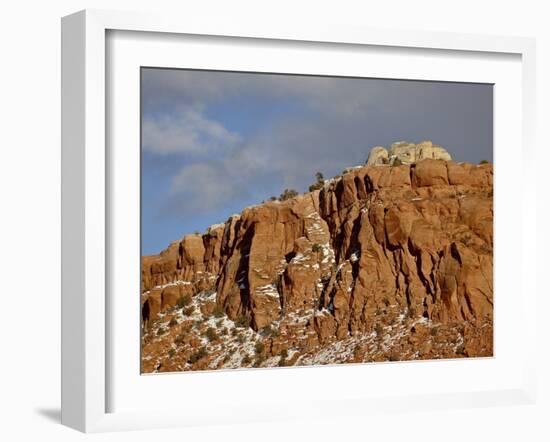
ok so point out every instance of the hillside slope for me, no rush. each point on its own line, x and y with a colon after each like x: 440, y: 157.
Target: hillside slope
x: 382, y: 263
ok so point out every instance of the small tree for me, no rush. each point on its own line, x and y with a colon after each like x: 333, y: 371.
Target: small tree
x: 242, y: 321
x: 199, y: 354
x: 218, y: 311
x: 282, y: 360
x: 288, y: 194
x: 319, y: 183
x: 259, y: 347
x: 484, y: 162
x: 183, y: 301
x: 211, y: 334
x: 188, y: 311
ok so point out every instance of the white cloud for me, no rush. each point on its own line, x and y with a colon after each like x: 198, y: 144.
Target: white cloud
x: 186, y: 131
x: 203, y: 187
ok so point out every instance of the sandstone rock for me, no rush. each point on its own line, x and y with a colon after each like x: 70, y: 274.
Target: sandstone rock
x: 378, y: 155
x: 404, y: 152
x: 170, y: 296
x: 427, y: 173
x: 380, y: 245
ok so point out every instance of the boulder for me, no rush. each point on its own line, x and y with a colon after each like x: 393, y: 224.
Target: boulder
x: 378, y: 155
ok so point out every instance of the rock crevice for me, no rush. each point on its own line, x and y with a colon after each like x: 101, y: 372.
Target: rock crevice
x: 414, y: 238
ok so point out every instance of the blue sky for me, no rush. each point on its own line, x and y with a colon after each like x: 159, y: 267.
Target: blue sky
x: 216, y: 142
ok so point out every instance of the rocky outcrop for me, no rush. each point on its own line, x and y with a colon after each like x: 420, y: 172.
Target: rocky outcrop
x: 374, y: 246
x: 403, y: 152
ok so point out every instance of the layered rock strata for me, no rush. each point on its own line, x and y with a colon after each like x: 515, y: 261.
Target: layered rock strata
x: 381, y: 246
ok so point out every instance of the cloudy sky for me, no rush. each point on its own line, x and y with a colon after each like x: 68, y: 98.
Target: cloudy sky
x: 216, y: 142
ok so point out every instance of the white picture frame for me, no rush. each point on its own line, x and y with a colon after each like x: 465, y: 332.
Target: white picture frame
x: 86, y: 351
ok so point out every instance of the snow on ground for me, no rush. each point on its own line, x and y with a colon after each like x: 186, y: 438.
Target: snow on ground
x: 234, y: 346
x: 169, y: 284
x: 268, y: 290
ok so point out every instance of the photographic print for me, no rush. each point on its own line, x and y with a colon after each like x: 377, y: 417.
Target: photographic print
x: 299, y: 220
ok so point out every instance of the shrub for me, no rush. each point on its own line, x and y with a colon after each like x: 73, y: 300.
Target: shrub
x: 161, y: 331
x: 397, y: 162
x: 199, y: 354
x: 179, y: 339
x: 484, y: 162
x: 411, y: 312
x: 316, y: 248
x: 288, y: 194
x: 211, y: 334
x: 273, y: 198
x: 224, y: 331
x: 173, y: 322
x: 188, y: 311
x: 246, y: 360
x: 284, y: 353
x: 379, y: 329
x: 259, y: 347
x: 183, y: 301
x: 259, y: 360
x: 218, y: 311
x: 242, y: 321
x: 314, y: 187
x: 240, y: 339
x: 393, y: 358
x: 319, y: 183
x: 433, y: 331
x: 171, y: 353
x: 270, y: 331
x: 219, y: 323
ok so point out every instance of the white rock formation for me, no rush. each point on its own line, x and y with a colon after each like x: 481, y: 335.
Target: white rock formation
x: 407, y: 153
x: 378, y: 155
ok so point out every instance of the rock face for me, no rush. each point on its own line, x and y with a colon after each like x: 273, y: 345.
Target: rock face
x: 407, y: 153
x: 381, y: 248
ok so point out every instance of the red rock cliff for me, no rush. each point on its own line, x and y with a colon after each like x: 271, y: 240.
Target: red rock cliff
x: 416, y: 238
